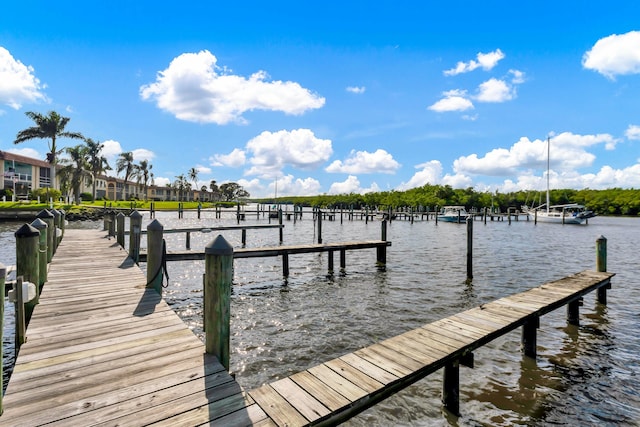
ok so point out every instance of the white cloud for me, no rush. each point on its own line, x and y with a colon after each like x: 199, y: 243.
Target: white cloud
x: 485, y: 60
x: 300, y: 148
x: 142, y: 154
x: 111, y: 149
x: 360, y: 162
x: 203, y: 169
x: 194, y: 88
x: 517, y: 77
x: 253, y: 186
x: 290, y: 186
x: 351, y: 185
x: 494, y: 90
x: 234, y: 159
x: 356, y: 89
x: 567, y: 153
x: 454, y: 100
x: 18, y: 84
x: 617, y: 54
x: 633, y: 132
x: 27, y: 152
x: 431, y: 173
x: 160, y: 181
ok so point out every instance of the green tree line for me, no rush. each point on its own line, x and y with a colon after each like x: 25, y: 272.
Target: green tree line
x: 614, y: 201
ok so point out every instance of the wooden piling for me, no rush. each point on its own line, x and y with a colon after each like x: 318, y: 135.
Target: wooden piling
x: 573, y: 312
x: 469, y: 248
x: 111, y: 223
x: 21, y: 322
x: 47, y: 217
x: 381, y: 251
x: 120, y: 228
x: 280, y: 231
x: 217, y: 298
x: 601, y: 265
x: 154, y: 255
x: 135, y: 225
x: 529, y: 336
x: 319, y: 217
x: 3, y: 276
x: 451, y: 387
x: 330, y: 263
x: 27, y: 262
x: 56, y: 227
x: 41, y: 226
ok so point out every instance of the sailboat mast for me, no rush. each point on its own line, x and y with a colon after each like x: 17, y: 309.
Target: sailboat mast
x: 548, y: 164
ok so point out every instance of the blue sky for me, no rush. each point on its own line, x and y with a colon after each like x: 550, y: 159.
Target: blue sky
x: 336, y: 97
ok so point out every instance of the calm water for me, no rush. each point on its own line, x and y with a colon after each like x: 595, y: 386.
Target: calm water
x: 586, y: 375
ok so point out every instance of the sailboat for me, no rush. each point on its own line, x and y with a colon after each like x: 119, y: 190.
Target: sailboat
x: 571, y: 213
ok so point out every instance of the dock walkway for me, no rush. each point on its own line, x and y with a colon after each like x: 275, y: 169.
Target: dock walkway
x: 103, y: 350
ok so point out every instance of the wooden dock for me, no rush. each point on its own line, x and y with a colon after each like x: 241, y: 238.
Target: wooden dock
x: 103, y: 350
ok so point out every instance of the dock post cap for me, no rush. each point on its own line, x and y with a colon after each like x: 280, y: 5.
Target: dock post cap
x: 3, y: 271
x: 219, y: 246
x: 39, y: 224
x: 44, y: 213
x: 56, y: 213
x: 135, y: 214
x: 155, y: 225
x: 120, y: 214
x: 600, y: 238
x: 27, y: 231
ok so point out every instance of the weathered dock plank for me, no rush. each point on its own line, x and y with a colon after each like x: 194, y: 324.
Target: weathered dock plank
x: 103, y: 350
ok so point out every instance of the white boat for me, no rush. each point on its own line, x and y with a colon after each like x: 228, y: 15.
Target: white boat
x: 453, y: 214
x: 571, y: 213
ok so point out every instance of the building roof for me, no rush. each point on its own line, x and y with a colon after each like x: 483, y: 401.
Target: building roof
x: 5, y: 155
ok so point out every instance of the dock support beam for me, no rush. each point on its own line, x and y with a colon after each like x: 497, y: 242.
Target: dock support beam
x: 573, y: 312
x: 529, y: 338
x: 285, y: 264
x: 120, y: 229
x: 155, y: 255
x: 469, y: 247
x: 601, y: 265
x: 217, y: 298
x: 3, y: 276
x: 451, y: 387
x: 381, y: 251
x: 135, y: 223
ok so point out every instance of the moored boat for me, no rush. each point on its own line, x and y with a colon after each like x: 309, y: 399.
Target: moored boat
x: 453, y: 214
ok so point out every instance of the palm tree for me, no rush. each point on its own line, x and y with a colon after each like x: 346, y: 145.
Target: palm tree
x: 142, y: 173
x: 50, y: 127
x: 125, y: 163
x: 215, y: 191
x: 193, y: 176
x: 75, y: 169
x: 181, y: 185
x: 97, y: 162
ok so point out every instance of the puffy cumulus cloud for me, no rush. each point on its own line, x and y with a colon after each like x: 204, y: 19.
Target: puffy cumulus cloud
x: 110, y: 150
x: 142, y: 154
x: 567, y: 153
x: 431, y: 173
x: 454, y: 100
x: 485, y: 60
x: 234, y: 159
x: 494, y: 90
x: 161, y: 181
x: 617, y: 54
x: 27, y: 152
x: 632, y: 132
x: 288, y: 185
x: 18, y: 84
x: 356, y: 89
x: 254, y: 187
x: 300, y: 148
x: 360, y: 162
x: 606, y: 177
x: 203, y: 169
x: 351, y: 185
x: 194, y: 88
